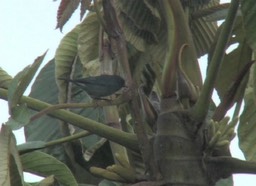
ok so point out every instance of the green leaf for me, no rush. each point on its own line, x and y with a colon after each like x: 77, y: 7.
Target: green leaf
x: 11, y: 168
x: 45, y: 165
x: 20, y: 117
x: 21, y: 81
x: 214, y: 13
x: 13, y: 87
x: 5, y: 79
x: 88, y: 39
x: 232, y: 65
x: 139, y: 29
x: 249, y: 14
x: 66, y: 52
x: 247, y: 126
x: 203, y: 31
x: 65, y: 58
x: 46, y: 128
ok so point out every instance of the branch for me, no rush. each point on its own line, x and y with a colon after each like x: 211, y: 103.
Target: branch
x: 168, y: 84
x: 56, y: 142
x: 123, y: 138
x: 94, y: 103
x: 229, y: 165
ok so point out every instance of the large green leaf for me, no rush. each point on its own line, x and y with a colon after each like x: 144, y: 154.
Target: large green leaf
x: 203, y: 31
x: 65, y: 58
x: 21, y: 81
x: 45, y: 165
x: 247, y: 126
x: 20, y: 114
x: 10, y: 169
x: 232, y: 65
x: 249, y: 14
x: 20, y: 117
x: 46, y: 128
x: 140, y: 20
x: 88, y: 42
x: 145, y: 34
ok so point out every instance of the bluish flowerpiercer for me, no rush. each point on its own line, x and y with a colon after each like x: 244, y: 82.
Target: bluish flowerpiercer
x: 99, y: 86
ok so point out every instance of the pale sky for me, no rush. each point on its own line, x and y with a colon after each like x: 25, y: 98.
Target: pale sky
x: 27, y: 31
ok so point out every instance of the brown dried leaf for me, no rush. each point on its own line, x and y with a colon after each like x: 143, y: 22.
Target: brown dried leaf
x: 66, y: 9
x: 85, y: 5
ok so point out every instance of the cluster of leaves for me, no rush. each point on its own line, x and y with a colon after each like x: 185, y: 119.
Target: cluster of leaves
x: 76, y: 144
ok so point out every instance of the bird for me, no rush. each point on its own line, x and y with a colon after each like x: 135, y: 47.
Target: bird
x: 99, y: 86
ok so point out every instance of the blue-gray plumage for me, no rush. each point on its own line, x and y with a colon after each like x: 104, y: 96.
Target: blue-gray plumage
x: 99, y: 86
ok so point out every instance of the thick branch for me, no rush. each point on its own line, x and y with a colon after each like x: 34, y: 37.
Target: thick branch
x: 232, y: 165
x: 123, y: 138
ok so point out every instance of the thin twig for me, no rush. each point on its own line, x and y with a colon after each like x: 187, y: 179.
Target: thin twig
x: 59, y: 141
x: 94, y: 103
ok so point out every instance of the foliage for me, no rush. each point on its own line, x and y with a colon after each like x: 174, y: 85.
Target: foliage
x: 163, y: 127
